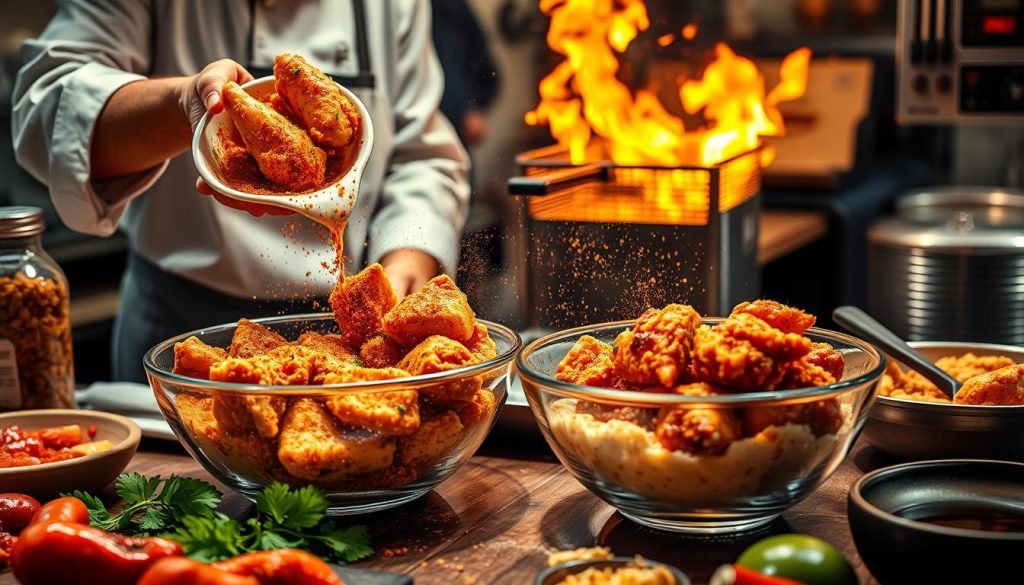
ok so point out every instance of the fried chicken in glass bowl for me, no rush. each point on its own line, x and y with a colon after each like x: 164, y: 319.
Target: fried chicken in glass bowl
x: 712, y: 425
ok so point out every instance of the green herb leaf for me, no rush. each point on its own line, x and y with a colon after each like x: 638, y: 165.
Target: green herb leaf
x: 135, y: 487
x: 209, y: 539
x: 98, y: 514
x: 153, y: 519
x: 348, y: 544
x: 298, y: 509
x: 188, y: 496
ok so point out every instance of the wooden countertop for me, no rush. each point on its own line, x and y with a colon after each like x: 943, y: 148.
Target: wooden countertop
x: 496, y: 518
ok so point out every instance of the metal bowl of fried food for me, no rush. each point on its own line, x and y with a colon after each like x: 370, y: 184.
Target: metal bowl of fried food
x: 916, y: 430
x: 608, y: 567
x: 367, y: 462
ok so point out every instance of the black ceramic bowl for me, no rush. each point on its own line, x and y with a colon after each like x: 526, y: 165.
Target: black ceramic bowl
x: 921, y: 522
x: 560, y: 571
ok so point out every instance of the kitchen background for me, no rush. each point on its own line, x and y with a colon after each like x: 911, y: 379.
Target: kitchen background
x: 845, y: 162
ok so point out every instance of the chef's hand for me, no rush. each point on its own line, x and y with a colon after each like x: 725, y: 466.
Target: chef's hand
x: 200, y: 94
x: 409, y: 269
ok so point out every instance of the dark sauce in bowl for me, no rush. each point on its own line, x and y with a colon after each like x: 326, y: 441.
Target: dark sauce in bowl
x: 981, y: 517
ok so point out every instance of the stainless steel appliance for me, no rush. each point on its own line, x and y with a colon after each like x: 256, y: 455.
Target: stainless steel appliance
x: 950, y: 266
x: 607, y: 241
x: 960, y: 61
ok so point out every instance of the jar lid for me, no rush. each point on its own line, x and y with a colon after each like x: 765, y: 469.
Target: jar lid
x: 21, y: 222
x: 957, y: 217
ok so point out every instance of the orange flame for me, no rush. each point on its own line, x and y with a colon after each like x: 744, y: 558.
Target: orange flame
x: 582, y: 96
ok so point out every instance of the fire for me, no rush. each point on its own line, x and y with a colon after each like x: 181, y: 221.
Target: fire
x: 583, y: 96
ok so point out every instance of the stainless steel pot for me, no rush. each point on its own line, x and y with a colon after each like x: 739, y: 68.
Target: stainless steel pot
x: 950, y: 265
x: 927, y: 430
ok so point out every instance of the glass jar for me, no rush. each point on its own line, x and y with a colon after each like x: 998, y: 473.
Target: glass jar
x: 36, y: 369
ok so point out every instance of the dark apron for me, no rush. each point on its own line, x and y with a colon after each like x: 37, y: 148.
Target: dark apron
x: 156, y: 305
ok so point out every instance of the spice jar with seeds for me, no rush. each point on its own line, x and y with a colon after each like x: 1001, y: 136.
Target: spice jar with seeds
x: 36, y: 369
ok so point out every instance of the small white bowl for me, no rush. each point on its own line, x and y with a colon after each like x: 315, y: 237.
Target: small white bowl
x: 333, y: 202
x: 89, y: 472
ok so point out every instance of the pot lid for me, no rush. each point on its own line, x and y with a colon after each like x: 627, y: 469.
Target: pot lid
x: 958, y: 217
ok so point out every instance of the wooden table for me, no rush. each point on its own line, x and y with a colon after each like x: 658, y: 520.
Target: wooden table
x: 496, y: 518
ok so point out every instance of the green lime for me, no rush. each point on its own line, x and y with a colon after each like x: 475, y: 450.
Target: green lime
x: 801, y: 558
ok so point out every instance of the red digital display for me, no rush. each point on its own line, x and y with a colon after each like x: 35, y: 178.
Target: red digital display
x: 999, y: 25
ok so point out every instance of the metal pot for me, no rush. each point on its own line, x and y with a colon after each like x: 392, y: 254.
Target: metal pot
x: 950, y: 265
x: 927, y: 430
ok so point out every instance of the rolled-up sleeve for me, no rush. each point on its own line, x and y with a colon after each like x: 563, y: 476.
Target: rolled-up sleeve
x: 425, y: 197
x: 87, y: 52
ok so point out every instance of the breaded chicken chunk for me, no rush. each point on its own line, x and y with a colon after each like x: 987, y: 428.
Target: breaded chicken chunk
x: 823, y: 417
x: 1003, y: 386
x: 332, y: 119
x: 252, y: 339
x: 390, y: 413
x: 313, y: 446
x: 780, y: 346
x: 969, y: 365
x: 588, y: 363
x: 657, y: 349
x: 735, y: 364
x: 284, y: 153
x: 804, y: 374
x: 913, y: 384
x: 478, y: 409
x: 435, y: 439
x: 828, y: 358
x: 480, y: 344
x: 243, y: 451
x: 439, y: 308
x: 359, y: 303
x: 193, y: 358
x: 381, y: 352
x: 332, y: 345
x: 784, y: 318
x: 441, y: 354
x: 698, y: 431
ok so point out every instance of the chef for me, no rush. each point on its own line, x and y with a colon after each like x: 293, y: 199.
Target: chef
x: 104, y: 109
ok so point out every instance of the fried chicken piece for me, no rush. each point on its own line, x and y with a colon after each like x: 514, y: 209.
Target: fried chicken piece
x: 441, y: 354
x: 899, y: 393
x: 287, y: 365
x: 360, y: 302
x: 349, y: 374
x: 698, y: 431
x: 784, y: 318
x: 284, y: 153
x: 891, y: 378
x: 735, y: 364
x: 252, y: 339
x: 826, y: 357
x: 439, y: 308
x: 804, y: 374
x: 1004, y: 386
x: 435, y: 439
x: 332, y: 119
x: 914, y: 384
x: 193, y: 358
x: 588, y: 363
x: 969, y: 365
x: 657, y: 349
x: 781, y: 347
x: 314, y: 447
x: 381, y: 352
x: 823, y: 417
x: 480, y: 344
x: 332, y: 345
x: 478, y: 409
x: 243, y: 450
x: 391, y: 413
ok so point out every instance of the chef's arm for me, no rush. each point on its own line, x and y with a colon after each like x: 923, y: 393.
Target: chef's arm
x: 425, y: 196
x: 147, y: 122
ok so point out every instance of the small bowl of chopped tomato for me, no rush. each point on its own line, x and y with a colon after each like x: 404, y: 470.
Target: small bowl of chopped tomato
x: 45, y: 452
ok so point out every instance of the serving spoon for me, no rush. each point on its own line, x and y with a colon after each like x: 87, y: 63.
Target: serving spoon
x: 865, y: 326
x: 330, y: 205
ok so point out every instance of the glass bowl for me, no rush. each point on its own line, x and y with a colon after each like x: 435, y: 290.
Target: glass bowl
x: 358, y: 468
x: 753, y: 481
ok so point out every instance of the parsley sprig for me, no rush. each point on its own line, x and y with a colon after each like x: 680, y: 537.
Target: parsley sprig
x: 285, y: 518
x: 184, y: 509
x: 152, y: 504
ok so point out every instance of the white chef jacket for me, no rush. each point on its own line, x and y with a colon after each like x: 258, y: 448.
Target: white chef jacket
x: 414, y: 191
